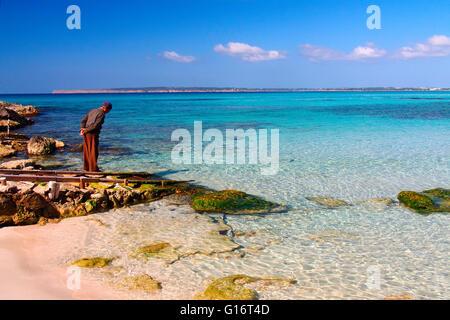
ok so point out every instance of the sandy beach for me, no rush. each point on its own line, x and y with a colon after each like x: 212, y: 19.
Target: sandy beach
x: 25, y: 271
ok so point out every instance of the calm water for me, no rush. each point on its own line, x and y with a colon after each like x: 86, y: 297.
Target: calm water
x: 351, y: 146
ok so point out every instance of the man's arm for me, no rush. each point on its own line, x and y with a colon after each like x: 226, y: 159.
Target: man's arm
x: 97, y: 123
x: 83, y: 122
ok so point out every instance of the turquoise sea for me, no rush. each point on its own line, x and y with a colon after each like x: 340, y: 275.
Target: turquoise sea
x: 352, y: 146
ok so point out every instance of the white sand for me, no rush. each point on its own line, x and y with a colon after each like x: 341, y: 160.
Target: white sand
x: 24, y: 269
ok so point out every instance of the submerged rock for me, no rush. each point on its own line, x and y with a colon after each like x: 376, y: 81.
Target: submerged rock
x: 378, y: 202
x: 163, y: 250
x: 233, y: 288
x: 41, y: 146
x: 428, y: 201
x: 96, y: 262
x: 17, y: 164
x: 328, y: 202
x: 142, y: 282
x: 232, y: 202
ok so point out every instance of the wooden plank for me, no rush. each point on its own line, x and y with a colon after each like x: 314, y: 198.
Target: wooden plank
x: 66, y: 172
x: 83, y: 180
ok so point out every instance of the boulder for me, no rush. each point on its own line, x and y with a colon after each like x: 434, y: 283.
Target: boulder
x: 41, y: 146
x: 26, y: 111
x: 328, y: 202
x: 7, y: 205
x: 9, y: 188
x: 59, y: 144
x: 232, y: 202
x: 32, y: 202
x: 6, y: 151
x: 6, y: 221
x: 24, y: 187
x: 15, y: 120
x: 428, y: 201
x: 17, y: 164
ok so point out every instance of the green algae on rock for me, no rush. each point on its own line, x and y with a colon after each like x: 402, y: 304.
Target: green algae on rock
x: 428, y: 201
x: 96, y: 262
x: 100, y: 185
x: 162, y: 250
x: 328, y: 202
x: 90, y: 205
x: 142, y: 282
x: 232, y: 287
x: 232, y: 202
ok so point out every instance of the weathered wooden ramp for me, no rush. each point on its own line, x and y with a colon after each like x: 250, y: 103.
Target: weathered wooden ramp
x: 81, y: 177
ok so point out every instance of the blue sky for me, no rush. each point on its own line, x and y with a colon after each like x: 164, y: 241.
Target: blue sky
x: 246, y: 43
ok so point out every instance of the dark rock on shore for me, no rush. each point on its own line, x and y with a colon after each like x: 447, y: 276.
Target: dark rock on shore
x: 15, y: 120
x: 7, y: 151
x: 25, y: 111
x: 23, y: 203
x: 41, y: 146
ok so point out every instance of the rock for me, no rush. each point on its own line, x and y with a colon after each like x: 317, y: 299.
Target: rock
x: 10, y: 188
x: 66, y: 210
x: 26, y: 111
x: 25, y: 217
x: 6, y: 221
x: 32, y: 202
x: 41, y: 189
x: 68, y: 187
x: 6, y: 151
x: 232, y: 287
x: 77, y: 148
x: 40, y: 146
x: 378, y: 203
x: 142, y: 282
x: 42, y: 221
x: 232, y: 202
x: 15, y: 120
x: 7, y: 205
x: 59, y: 144
x: 164, y: 251
x: 17, y: 164
x: 428, y: 201
x: 97, y: 262
x: 90, y: 205
x: 328, y: 202
x: 24, y: 187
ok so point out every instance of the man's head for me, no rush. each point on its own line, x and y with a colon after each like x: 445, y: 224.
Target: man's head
x: 106, y: 106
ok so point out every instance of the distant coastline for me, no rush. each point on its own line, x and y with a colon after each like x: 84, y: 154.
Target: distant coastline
x: 218, y: 90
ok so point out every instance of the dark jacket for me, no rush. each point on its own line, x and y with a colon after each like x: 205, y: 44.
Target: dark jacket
x: 93, y: 121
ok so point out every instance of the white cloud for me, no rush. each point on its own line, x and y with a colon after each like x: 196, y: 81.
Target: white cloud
x: 248, y: 53
x: 173, y: 56
x: 435, y: 46
x: 360, y: 53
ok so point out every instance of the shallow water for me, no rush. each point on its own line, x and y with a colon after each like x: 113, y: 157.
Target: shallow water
x: 351, y: 146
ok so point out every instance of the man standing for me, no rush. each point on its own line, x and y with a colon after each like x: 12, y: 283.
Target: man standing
x: 91, y: 125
